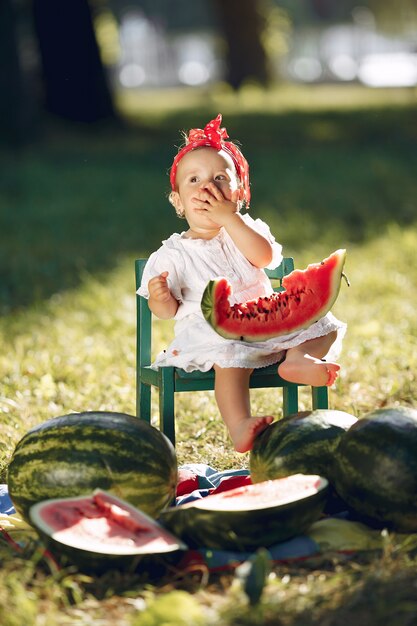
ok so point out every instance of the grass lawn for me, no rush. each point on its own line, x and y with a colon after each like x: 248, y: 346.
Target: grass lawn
x: 330, y: 168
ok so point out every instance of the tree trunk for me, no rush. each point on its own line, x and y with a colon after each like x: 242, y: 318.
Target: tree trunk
x: 75, y: 83
x: 323, y: 9
x: 12, y: 111
x: 242, y: 25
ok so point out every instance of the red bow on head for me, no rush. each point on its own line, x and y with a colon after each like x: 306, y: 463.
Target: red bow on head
x: 211, y: 133
x: 214, y: 136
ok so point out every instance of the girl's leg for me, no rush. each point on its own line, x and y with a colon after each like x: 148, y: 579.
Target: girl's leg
x: 303, y: 364
x: 233, y: 399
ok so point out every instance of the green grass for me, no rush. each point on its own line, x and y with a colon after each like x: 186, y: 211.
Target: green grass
x: 330, y: 168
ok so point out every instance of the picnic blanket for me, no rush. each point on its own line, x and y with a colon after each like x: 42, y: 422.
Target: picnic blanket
x: 335, y: 533
x: 331, y: 534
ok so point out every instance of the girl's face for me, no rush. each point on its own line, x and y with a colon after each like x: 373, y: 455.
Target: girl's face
x: 195, y: 170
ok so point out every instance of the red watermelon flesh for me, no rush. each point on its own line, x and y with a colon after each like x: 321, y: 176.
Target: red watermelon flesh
x: 263, y: 495
x: 101, y: 524
x: 308, y: 295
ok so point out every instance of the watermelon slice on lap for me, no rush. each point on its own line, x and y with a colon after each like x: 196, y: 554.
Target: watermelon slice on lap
x: 308, y: 295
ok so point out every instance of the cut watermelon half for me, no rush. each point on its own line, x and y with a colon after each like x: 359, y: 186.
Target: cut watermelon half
x: 248, y: 517
x: 99, y: 527
x: 307, y: 296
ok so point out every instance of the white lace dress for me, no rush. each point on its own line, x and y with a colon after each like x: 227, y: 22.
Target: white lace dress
x: 191, y: 263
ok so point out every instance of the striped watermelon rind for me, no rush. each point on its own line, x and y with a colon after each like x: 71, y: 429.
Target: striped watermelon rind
x: 211, y: 523
x: 376, y: 468
x: 304, y: 442
x: 74, y: 454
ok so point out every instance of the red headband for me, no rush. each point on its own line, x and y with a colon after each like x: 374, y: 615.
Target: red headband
x: 214, y: 137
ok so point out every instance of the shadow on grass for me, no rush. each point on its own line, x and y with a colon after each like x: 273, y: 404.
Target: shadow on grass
x: 76, y: 202
x: 376, y: 598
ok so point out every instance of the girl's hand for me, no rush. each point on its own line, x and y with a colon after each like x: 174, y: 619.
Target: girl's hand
x: 158, y: 288
x: 224, y: 212
x: 161, y: 301
x: 219, y: 208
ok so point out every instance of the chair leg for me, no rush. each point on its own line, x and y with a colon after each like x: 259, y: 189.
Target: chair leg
x: 143, y: 401
x: 290, y: 399
x: 167, y: 402
x: 320, y: 397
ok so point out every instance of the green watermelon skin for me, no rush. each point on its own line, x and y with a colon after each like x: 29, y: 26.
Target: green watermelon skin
x: 376, y: 468
x: 303, y: 443
x: 74, y: 454
x: 244, y: 529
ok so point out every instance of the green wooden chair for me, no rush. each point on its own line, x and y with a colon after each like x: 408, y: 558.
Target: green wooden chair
x: 169, y: 380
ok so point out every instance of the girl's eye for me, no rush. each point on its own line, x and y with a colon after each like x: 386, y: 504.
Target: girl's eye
x: 221, y: 177
x: 193, y: 179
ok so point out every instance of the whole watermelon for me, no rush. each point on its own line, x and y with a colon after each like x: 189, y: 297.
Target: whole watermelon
x: 74, y: 454
x: 303, y: 443
x: 376, y: 468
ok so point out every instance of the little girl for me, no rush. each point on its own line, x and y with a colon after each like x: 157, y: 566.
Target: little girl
x: 210, y: 183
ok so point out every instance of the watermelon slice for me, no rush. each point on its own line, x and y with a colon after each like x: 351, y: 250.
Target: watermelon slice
x: 308, y: 295
x: 248, y: 517
x: 100, y: 528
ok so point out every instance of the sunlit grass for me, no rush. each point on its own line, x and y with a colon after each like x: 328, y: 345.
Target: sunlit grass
x: 375, y: 589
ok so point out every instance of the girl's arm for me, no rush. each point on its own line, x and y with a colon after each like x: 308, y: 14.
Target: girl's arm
x: 255, y: 247
x: 161, y: 301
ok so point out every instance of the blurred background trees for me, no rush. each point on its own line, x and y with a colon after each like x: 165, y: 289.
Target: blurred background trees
x: 243, y: 25
x: 75, y: 84
x: 12, y: 109
x: 71, y: 58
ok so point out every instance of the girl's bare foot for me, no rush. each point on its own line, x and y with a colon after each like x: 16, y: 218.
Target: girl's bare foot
x: 307, y: 370
x: 245, y: 431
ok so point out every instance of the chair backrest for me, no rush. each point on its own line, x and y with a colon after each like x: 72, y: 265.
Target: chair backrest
x: 144, y: 316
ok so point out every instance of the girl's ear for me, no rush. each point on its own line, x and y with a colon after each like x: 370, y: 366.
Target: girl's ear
x: 238, y: 196
x: 174, y: 198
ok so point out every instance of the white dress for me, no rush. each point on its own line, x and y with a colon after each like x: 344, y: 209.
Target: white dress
x: 191, y: 263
